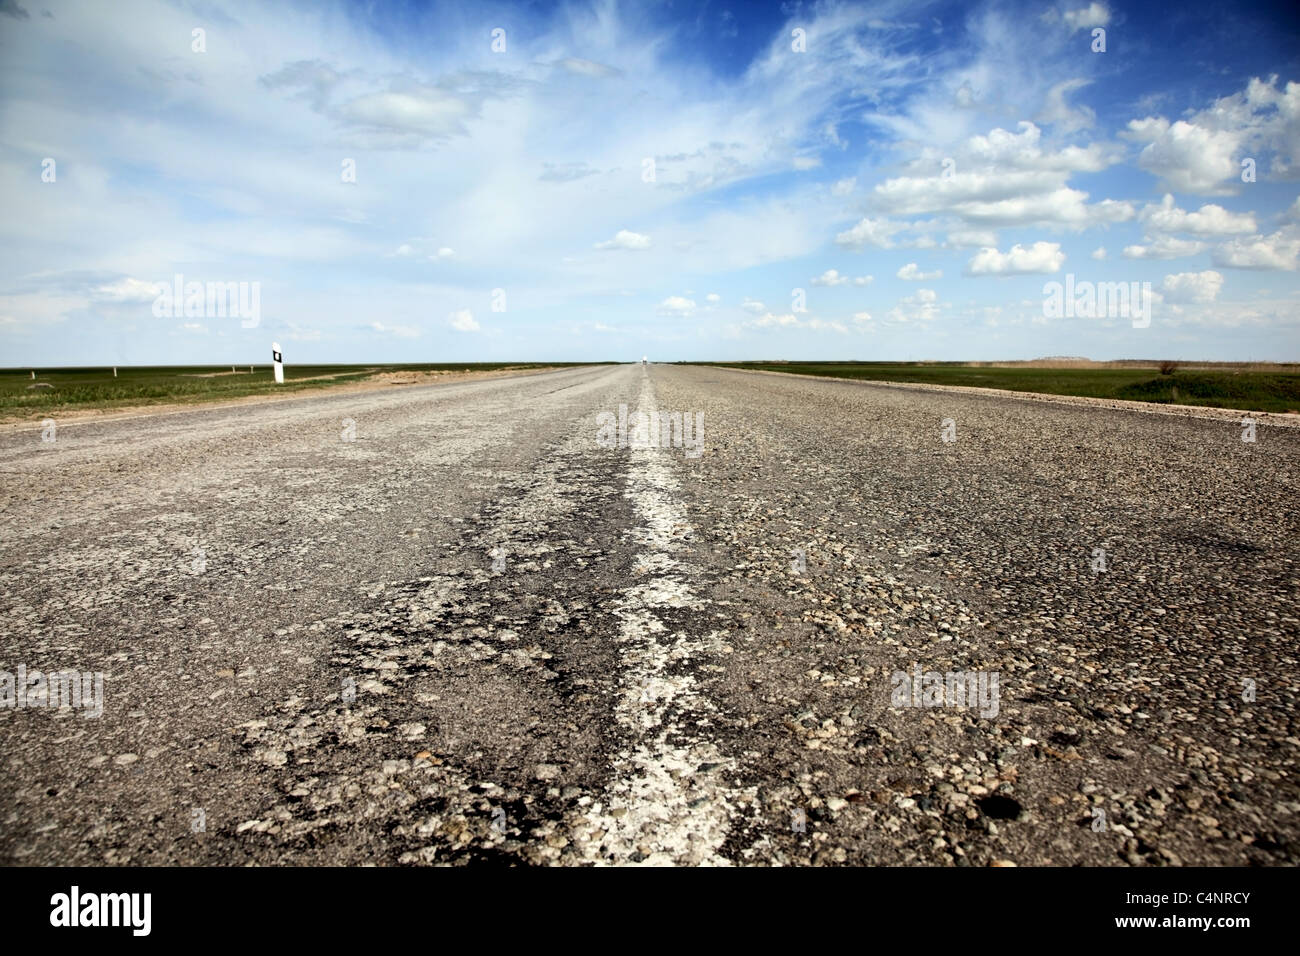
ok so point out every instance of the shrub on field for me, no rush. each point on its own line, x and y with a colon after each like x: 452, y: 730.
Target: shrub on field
x: 1167, y: 367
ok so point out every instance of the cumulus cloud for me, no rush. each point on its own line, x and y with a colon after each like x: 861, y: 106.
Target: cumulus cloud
x: 1165, y: 247
x: 1099, y: 252
x: 1209, y: 220
x: 921, y: 306
x: 1019, y: 260
x: 753, y: 306
x: 1203, y: 154
x: 626, y: 239
x: 1188, y: 157
x: 791, y: 321
x: 1085, y: 18
x: 1281, y: 250
x: 1007, y: 179
x: 677, y: 305
x: 1192, y: 286
x: 870, y: 232
x: 832, y: 277
x: 463, y: 321
x: 912, y: 273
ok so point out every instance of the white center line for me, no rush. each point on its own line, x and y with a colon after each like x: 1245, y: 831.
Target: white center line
x: 669, y: 802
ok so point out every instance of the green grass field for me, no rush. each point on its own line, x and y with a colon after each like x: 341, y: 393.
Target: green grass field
x: 1221, y: 386
x: 76, y: 389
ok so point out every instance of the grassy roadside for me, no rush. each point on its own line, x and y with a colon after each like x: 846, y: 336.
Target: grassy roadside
x: 1251, y: 388
x: 65, y: 390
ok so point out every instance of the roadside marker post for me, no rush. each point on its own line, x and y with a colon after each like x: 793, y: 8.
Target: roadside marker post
x: 278, y: 362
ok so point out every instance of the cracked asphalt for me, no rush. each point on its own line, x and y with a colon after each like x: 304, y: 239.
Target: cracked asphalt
x: 477, y: 634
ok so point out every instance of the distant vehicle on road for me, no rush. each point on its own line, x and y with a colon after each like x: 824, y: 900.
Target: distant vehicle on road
x: 644, y: 360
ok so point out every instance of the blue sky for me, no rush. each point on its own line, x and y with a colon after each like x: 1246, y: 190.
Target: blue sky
x: 673, y: 180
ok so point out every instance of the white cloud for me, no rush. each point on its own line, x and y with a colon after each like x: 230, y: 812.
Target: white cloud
x: 1165, y: 247
x: 807, y: 162
x: 1059, y: 114
x: 790, y: 321
x: 832, y: 277
x: 713, y: 297
x: 1007, y: 179
x: 1209, y: 220
x: 1063, y: 206
x: 870, y: 232
x: 128, y: 289
x: 1203, y: 154
x: 399, y: 331
x: 1019, y: 260
x: 1099, y: 253
x: 1188, y: 157
x: 463, y: 321
x: 625, y: 239
x: 753, y: 306
x: 678, y: 306
x: 1192, y: 286
x: 844, y: 186
x: 443, y: 253
x: 912, y: 273
x: 1003, y: 150
x: 922, y: 306
x: 1281, y: 250
x: 1093, y: 15
x: 423, y: 110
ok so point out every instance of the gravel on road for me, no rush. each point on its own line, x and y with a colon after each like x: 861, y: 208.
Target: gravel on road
x: 856, y: 624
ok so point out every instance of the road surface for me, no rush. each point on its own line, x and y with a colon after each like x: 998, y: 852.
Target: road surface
x: 476, y: 633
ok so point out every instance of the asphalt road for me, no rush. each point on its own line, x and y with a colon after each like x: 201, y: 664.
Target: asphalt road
x: 477, y: 634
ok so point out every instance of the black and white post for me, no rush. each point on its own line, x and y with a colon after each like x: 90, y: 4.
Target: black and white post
x: 278, y: 363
